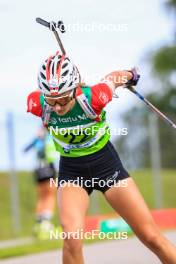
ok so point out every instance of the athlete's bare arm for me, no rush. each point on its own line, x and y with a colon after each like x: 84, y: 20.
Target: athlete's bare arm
x: 118, y: 78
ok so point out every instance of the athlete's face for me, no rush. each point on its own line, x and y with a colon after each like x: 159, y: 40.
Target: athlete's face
x: 63, y: 109
x: 63, y: 104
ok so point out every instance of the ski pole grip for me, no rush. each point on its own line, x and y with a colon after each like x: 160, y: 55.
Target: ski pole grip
x: 43, y: 22
x: 51, y: 25
x: 61, y: 26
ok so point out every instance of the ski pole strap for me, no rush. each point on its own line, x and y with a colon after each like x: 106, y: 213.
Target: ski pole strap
x: 87, y: 108
x: 46, y: 114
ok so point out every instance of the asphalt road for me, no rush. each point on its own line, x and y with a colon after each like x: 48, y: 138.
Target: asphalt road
x: 130, y: 251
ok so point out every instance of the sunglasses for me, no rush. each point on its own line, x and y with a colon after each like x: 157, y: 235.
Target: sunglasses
x: 60, y: 100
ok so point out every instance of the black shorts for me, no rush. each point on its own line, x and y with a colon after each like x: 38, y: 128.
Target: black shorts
x: 99, y: 171
x: 45, y: 173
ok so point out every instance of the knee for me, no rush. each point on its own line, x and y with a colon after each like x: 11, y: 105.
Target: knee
x: 72, y: 225
x: 152, y: 238
x: 154, y: 241
x: 72, y: 240
x: 74, y: 246
x: 73, y: 234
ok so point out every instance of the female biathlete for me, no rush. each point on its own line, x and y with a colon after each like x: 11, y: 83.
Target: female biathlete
x: 74, y: 114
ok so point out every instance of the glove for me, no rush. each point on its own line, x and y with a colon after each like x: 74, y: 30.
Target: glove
x: 135, y: 78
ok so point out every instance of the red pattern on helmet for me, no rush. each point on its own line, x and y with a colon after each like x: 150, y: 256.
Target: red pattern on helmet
x: 58, y: 74
x: 54, y: 90
x: 48, y: 69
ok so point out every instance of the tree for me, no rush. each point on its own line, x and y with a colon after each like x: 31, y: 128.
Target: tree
x: 163, y: 62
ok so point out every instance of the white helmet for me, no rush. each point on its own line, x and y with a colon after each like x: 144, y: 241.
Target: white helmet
x: 58, y: 75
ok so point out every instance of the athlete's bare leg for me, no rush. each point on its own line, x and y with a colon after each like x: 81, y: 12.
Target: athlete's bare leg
x: 128, y: 202
x: 73, y: 204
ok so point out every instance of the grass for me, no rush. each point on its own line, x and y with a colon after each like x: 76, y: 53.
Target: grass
x: 35, y: 247
x: 27, y: 198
